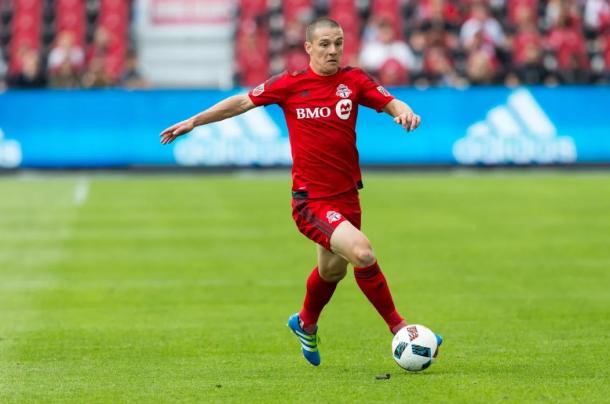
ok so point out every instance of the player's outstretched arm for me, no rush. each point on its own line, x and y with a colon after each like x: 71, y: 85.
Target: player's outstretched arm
x: 227, y: 108
x: 402, y: 114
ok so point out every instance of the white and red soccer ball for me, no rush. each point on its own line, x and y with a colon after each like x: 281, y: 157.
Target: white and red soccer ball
x: 414, y: 347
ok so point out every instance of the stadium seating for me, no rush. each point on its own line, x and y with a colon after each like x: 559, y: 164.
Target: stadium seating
x: 26, y: 30
x: 252, y: 43
x: 249, y: 9
x: 252, y: 51
x: 114, y: 17
x: 296, y: 10
x: 388, y: 10
x: 531, y: 38
x: 35, y: 25
x: 515, y: 7
x: 345, y: 13
x: 563, y: 41
x: 70, y: 16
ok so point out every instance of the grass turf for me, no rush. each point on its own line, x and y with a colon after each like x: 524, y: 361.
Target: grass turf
x: 177, y: 288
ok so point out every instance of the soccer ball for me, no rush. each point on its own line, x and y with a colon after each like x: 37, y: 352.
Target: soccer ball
x: 414, y: 347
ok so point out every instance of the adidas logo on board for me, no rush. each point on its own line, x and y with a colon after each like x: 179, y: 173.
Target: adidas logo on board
x: 517, y: 132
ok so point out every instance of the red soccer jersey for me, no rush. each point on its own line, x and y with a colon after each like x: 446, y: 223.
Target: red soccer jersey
x: 321, y: 113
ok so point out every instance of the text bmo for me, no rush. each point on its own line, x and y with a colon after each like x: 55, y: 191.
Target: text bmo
x: 309, y: 113
x: 343, y: 110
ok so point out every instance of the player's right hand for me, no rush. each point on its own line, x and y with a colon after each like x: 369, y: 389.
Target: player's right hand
x: 171, y: 133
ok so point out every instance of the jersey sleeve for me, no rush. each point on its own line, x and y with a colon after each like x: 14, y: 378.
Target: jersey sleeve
x: 372, y: 94
x: 272, y: 91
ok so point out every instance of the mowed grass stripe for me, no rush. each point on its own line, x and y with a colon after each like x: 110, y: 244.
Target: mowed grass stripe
x: 35, y: 221
x: 178, y: 289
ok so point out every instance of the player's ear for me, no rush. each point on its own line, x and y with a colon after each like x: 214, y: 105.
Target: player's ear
x: 308, y: 47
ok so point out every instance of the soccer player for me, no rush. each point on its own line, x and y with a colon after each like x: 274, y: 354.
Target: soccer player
x: 320, y: 105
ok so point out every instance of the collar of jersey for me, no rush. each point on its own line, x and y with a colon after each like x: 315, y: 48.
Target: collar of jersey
x: 310, y: 70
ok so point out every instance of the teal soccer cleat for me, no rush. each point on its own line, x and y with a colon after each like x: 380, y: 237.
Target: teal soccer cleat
x: 309, y: 342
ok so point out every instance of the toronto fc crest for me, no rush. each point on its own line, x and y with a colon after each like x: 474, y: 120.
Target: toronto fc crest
x: 343, y: 91
x: 333, y: 216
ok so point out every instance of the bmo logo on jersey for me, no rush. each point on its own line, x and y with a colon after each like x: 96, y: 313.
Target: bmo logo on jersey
x: 344, y: 108
x: 313, y: 113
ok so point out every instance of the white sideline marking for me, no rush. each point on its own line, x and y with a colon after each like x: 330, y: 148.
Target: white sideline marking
x: 81, y: 192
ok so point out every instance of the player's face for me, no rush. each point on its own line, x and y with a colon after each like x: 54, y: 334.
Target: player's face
x: 325, y: 50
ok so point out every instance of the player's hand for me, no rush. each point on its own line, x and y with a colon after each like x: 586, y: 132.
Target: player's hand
x: 408, y: 120
x: 179, y: 129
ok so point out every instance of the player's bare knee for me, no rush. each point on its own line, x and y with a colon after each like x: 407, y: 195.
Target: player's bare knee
x: 363, y: 256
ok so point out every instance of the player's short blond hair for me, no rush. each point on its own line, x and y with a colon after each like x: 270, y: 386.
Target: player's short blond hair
x: 321, y: 22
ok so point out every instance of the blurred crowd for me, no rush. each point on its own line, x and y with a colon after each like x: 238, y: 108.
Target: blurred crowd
x: 69, y: 65
x: 451, y: 43
x: 401, y: 42
x: 67, y: 44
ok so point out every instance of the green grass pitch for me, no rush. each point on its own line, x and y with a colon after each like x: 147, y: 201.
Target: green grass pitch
x: 177, y: 289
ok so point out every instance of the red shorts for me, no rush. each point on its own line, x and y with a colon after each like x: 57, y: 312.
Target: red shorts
x: 317, y: 219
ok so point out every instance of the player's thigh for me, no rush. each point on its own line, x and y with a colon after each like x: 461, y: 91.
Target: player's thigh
x: 332, y: 267
x: 350, y: 243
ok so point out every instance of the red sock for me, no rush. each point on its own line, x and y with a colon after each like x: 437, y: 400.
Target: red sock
x: 374, y: 285
x: 318, y: 294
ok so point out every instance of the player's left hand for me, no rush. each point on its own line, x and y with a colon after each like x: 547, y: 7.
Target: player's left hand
x: 408, y: 120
